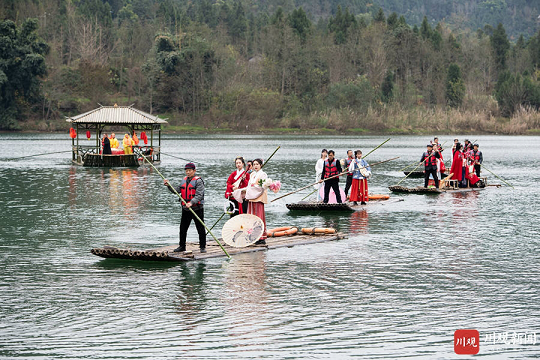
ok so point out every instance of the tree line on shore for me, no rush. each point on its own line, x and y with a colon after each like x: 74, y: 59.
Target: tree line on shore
x: 224, y: 65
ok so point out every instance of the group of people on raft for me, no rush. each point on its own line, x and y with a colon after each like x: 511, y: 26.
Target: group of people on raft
x: 110, y: 143
x: 328, y: 170
x: 246, y: 192
x: 466, y: 163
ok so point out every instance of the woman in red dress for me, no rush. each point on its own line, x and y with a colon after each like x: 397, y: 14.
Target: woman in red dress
x: 238, y: 179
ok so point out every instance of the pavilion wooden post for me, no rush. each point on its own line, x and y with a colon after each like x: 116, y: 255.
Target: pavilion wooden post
x: 78, y: 143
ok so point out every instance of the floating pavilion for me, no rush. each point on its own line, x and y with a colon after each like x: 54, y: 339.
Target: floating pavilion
x: 93, y: 122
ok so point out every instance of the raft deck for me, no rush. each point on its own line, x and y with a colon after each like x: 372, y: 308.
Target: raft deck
x: 213, y: 250
x: 347, y: 206
x: 423, y: 190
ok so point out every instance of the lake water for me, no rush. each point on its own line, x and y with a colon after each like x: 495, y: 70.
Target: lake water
x: 407, y: 276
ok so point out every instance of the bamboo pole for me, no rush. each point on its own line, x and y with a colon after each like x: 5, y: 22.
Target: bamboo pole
x: 365, y: 156
x: 266, y: 161
x: 176, y: 157
x: 498, y: 177
x: 49, y: 153
x: 184, y: 202
x: 332, y: 177
x: 408, y: 166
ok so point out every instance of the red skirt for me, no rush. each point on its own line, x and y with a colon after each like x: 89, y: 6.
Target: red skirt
x: 257, y: 209
x: 359, y: 190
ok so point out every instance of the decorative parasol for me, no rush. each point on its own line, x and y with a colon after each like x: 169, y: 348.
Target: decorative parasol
x: 242, y: 230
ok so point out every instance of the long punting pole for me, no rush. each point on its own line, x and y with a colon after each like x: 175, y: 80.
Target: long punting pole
x: 221, y: 217
x: 410, y: 172
x: 49, y: 153
x: 332, y: 177
x: 365, y: 156
x: 408, y: 166
x: 184, y: 202
x: 176, y: 157
x: 498, y: 177
x: 275, y: 151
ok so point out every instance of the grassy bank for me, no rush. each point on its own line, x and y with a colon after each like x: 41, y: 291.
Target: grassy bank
x: 384, y: 120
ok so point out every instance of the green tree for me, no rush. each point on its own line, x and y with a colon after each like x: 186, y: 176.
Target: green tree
x: 455, y: 88
x: 510, y: 92
x: 300, y: 23
x: 387, y: 87
x: 380, y: 18
x: 341, y: 25
x: 500, y: 46
x: 22, y: 62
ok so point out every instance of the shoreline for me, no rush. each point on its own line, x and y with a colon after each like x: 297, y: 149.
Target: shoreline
x: 294, y: 131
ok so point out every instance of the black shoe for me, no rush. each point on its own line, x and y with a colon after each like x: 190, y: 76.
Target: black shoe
x: 363, y: 203
x: 179, y: 249
x: 203, y: 250
x: 260, y: 242
x: 355, y: 203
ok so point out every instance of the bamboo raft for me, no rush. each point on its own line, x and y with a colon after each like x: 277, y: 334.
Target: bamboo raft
x: 213, y: 250
x: 347, y: 206
x: 423, y: 190
x: 98, y: 160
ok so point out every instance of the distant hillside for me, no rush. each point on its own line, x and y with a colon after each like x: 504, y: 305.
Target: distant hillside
x: 517, y: 16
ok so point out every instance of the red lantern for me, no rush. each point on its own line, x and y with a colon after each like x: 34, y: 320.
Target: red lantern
x: 144, y: 137
x: 88, y: 134
x: 72, y: 133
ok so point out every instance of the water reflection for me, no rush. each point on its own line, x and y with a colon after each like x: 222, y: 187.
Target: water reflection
x: 359, y: 222
x: 191, y: 289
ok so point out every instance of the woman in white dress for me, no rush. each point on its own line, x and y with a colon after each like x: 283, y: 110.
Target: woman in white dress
x: 318, y: 172
x: 257, y: 196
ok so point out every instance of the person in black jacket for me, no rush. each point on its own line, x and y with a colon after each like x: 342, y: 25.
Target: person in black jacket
x: 429, y: 158
x: 106, y: 145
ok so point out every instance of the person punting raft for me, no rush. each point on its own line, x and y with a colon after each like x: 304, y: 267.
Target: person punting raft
x: 430, y: 160
x: 332, y: 167
x: 192, y: 191
x: 238, y: 179
x: 360, y: 173
x: 106, y: 145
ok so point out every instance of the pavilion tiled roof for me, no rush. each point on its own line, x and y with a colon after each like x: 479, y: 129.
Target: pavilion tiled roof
x: 116, y: 115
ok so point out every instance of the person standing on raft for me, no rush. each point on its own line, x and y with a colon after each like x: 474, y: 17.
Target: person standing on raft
x: 192, y: 191
x: 106, y: 145
x: 457, y: 169
x: 477, y: 158
x: 318, y: 171
x: 429, y: 158
x: 361, y: 171
x: 127, y: 145
x: 346, y: 164
x: 257, y: 196
x: 331, y: 168
x: 238, y: 179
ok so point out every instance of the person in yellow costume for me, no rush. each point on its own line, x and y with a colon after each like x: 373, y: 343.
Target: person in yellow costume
x: 114, y: 141
x: 127, y: 145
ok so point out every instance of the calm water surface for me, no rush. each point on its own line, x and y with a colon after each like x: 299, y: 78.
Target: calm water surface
x: 408, y: 275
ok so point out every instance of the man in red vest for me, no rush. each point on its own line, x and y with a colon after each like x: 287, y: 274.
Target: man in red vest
x: 331, y: 168
x: 192, y: 191
x: 477, y: 159
x: 429, y: 158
